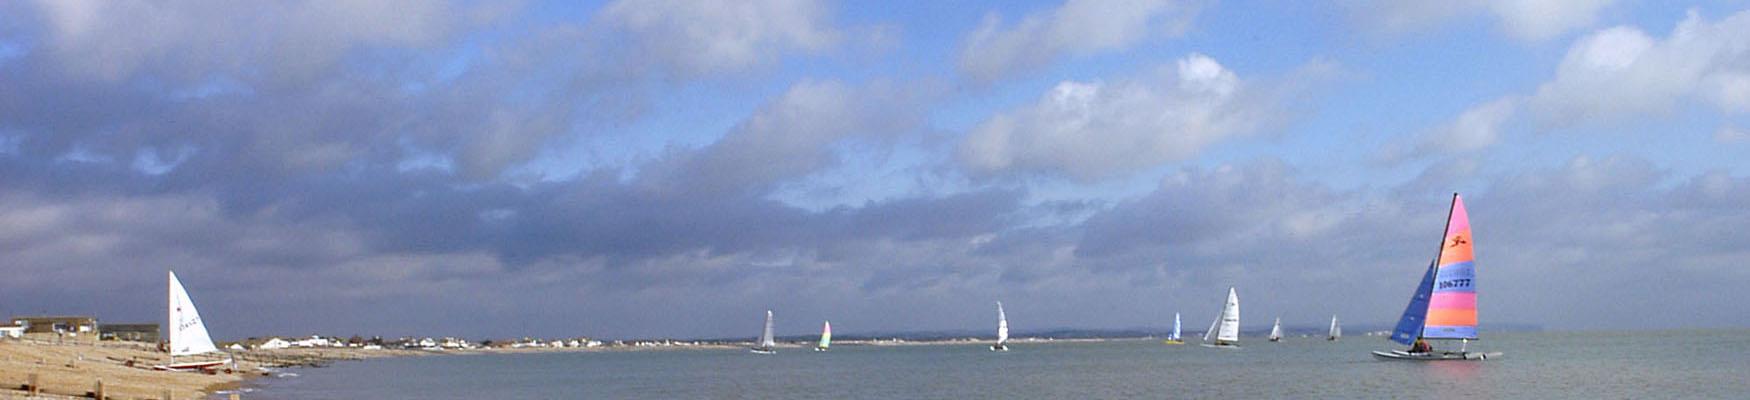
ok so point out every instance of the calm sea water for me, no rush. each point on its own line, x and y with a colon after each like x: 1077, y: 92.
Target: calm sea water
x: 1686, y: 364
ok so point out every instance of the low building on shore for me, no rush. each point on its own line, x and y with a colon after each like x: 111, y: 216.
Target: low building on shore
x: 73, y: 325
x: 147, y: 333
x: 11, y: 331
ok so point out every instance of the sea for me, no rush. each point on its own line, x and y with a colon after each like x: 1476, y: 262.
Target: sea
x: 1541, y: 365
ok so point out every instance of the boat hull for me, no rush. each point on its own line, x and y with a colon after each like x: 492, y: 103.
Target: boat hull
x: 1437, y: 356
x: 999, y: 348
x: 1221, y: 346
x: 762, y: 351
x: 193, y: 366
x: 1173, y: 342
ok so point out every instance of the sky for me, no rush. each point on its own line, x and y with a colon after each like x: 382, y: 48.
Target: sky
x: 672, y: 168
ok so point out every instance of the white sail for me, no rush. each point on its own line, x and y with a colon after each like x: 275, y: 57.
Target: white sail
x: 825, y: 335
x: 1230, y: 319
x: 1002, y: 325
x: 188, y: 335
x: 1276, y: 331
x: 766, y: 341
x: 1208, y: 334
x: 1175, y: 327
x: 1336, y: 329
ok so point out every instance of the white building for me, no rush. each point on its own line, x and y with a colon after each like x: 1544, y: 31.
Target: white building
x: 274, y: 344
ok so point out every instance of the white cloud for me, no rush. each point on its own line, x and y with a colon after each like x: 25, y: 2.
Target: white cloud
x: 1078, y: 26
x: 1090, y: 130
x: 1728, y: 134
x: 716, y: 37
x: 1622, y: 72
x: 1530, y: 20
x: 185, y: 39
x: 1477, y: 128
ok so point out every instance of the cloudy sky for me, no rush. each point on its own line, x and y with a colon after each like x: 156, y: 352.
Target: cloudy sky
x: 666, y: 168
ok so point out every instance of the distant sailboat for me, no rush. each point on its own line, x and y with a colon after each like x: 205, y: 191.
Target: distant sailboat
x: 1174, y: 338
x: 1445, y: 303
x: 1336, y: 329
x: 766, y: 344
x: 825, y: 336
x: 1002, y: 330
x: 187, y: 333
x: 1276, y: 331
x: 1227, y: 325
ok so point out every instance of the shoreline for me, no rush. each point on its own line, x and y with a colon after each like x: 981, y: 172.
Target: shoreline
x: 71, y: 368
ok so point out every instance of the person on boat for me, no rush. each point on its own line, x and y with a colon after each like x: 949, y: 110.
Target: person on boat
x: 1421, y: 346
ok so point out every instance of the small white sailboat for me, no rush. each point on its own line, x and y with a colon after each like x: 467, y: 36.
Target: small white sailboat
x: 1226, y: 327
x: 187, y: 333
x: 1002, y: 330
x: 1174, y: 338
x: 1336, y: 329
x: 1276, y: 331
x: 766, y: 344
x: 825, y: 336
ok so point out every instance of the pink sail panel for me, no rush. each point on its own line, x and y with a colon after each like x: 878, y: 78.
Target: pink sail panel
x: 1452, y: 310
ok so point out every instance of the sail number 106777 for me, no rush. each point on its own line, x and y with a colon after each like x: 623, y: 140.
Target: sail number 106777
x: 1455, y: 283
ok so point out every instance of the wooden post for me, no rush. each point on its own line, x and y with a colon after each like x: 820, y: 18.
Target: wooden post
x: 235, y: 396
x: 32, y: 387
x: 169, y: 395
x: 98, y: 393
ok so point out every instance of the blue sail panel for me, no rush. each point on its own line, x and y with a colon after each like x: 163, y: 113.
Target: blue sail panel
x: 1410, y: 325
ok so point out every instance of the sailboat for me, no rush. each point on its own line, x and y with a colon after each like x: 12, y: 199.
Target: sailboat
x: 1444, y: 306
x: 1174, y: 338
x: 1002, y: 330
x: 1276, y: 331
x: 187, y: 333
x: 825, y: 336
x: 1226, y: 327
x: 766, y: 344
x: 1336, y: 329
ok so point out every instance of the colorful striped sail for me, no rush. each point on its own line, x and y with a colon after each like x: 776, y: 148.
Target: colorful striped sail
x: 1452, y: 310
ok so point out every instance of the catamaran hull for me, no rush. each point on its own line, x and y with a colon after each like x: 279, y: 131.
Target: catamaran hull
x: 762, y: 351
x: 1221, y: 346
x: 1441, y: 356
x: 999, y: 348
x: 193, y: 366
x: 1172, y: 342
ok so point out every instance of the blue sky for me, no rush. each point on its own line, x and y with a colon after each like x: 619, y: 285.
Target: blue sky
x: 671, y: 168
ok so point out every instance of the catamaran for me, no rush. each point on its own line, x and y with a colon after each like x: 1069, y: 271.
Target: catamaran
x: 1226, y: 327
x: 1336, y: 330
x: 187, y: 334
x: 766, y: 344
x: 1002, y: 330
x: 1444, y: 306
x: 1276, y: 330
x: 1174, y: 338
x: 825, y: 336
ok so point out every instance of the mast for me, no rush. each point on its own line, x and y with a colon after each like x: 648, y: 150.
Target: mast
x: 170, y: 313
